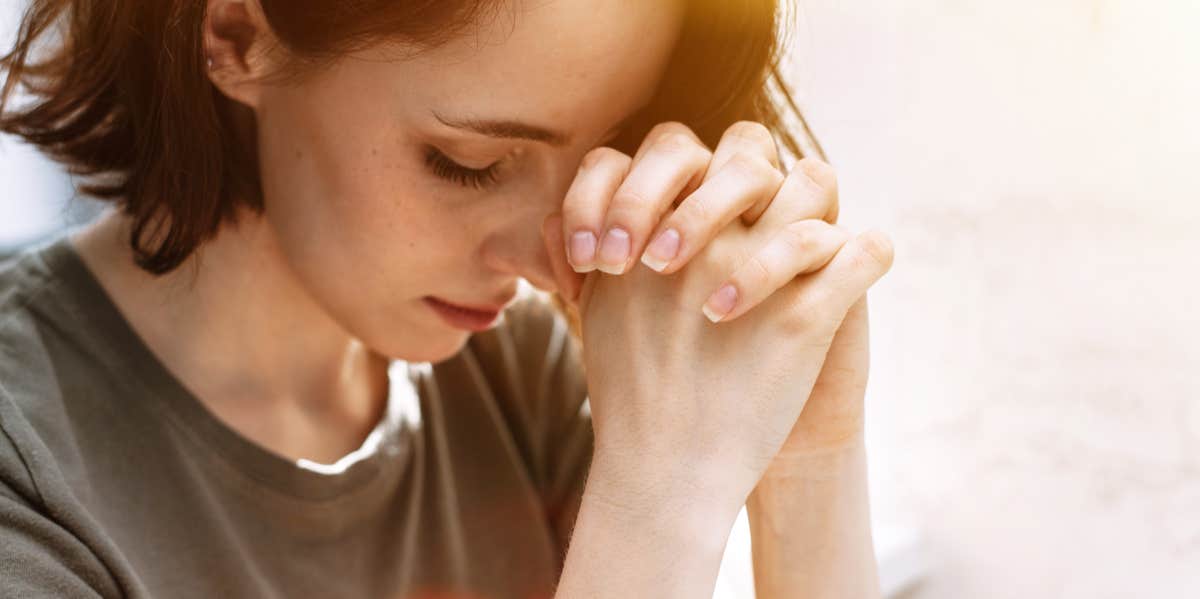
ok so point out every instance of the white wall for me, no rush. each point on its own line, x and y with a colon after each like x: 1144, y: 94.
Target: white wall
x: 1035, y: 393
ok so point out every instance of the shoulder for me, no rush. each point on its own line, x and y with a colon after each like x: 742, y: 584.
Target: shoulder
x: 23, y: 277
x: 25, y: 281
x: 23, y: 367
x: 31, y: 291
x: 40, y: 354
x: 44, y: 548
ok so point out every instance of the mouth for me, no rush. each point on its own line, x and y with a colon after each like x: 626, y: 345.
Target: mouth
x: 475, y: 318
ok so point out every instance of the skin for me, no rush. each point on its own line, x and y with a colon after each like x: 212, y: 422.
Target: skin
x: 330, y: 283
x: 693, y: 419
x: 358, y: 229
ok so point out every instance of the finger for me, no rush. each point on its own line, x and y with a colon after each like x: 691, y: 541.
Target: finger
x: 566, y: 280
x: 833, y: 414
x: 856, y: 266
x: 743, y: 181
x: 840, y: 378
x: 746, y: 137
x: 809, y: 191
x: 801, y: 247
x: 672, y: 160
x: 600, y: 173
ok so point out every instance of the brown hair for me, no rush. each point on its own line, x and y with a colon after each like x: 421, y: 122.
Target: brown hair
x: 121, y: 95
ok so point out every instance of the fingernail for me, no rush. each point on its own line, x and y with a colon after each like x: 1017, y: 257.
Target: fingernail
x: 662, y: 250
x: 583, y: 251
x: 721, y: 302
x: 614, y: 251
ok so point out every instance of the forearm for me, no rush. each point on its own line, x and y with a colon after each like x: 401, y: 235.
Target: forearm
x: 642, y: 544
x: 810, y: 527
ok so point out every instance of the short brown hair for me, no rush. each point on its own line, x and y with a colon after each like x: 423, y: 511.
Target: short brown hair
x: 122, y: 98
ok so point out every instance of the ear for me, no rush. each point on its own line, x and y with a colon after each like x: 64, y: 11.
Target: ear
x: 236, y: 42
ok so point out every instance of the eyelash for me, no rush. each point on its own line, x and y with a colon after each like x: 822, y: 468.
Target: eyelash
x: 445, y: 168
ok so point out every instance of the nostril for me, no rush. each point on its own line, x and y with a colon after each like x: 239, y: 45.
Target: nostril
x: 518, y: 252
x: 541, y: 281
x: 535, y: 269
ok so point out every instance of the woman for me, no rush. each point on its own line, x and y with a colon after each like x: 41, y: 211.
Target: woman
x: 289, y: 362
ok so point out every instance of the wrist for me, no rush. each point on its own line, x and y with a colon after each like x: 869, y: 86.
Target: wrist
x: 814, y: 504
x: 816, y: 460
x: 644, y: 482
x: 635, y: 539
x: 680, y: 520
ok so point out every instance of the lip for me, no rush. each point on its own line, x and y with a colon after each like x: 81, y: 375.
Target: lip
x: 474, y: 307
x: 465, y: 316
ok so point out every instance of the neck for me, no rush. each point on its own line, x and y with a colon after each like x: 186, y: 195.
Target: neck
x: 235, y: 325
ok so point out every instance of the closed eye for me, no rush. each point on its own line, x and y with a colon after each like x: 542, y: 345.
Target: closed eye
x: 442, y: 166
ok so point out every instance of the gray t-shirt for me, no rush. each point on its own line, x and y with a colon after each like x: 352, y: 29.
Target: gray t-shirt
x: 116, y: 481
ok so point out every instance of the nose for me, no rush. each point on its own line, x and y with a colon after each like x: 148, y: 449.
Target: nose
x: 518, y: 247
x: 520, y: 251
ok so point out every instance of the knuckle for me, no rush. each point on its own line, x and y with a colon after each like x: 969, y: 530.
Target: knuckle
x: 820, y: 173
x: 798, y: 237
x: 629, y: 199
x: 771, y: 180
x: 752, y: 131
x: 700, y: 157
x: 574, y: 214
x: 754, y: 168
x: 602, y: 155
x: 694, y: 211
x: 804, y: 316
x: 668, y: 128
x: 579, y: 205
x: 754, y: 274
x: 675, y: 143
x: 876, y: 250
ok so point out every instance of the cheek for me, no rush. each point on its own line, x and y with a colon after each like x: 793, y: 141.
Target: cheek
x: 359, y: 225
x: 366, y: 247
x: 335, y: 195
x: 377, y: 235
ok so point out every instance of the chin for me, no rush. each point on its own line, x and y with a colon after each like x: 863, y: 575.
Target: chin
x: 453, y: 344
x: 435, y: 344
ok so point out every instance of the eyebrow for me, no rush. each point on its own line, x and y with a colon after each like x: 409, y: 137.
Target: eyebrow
x: 511, y: 129
x: 507, y: 129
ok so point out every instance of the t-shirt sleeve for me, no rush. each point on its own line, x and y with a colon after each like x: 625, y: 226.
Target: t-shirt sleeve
x: 550, y: 416
x: 39, y: 558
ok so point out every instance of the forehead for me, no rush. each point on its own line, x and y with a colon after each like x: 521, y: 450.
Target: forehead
x: 577, y: 64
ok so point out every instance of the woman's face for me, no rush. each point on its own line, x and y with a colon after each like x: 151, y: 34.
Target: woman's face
x: 389, y: 181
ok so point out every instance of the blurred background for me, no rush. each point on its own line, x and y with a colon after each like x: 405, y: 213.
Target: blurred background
x: 1034, y: 405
